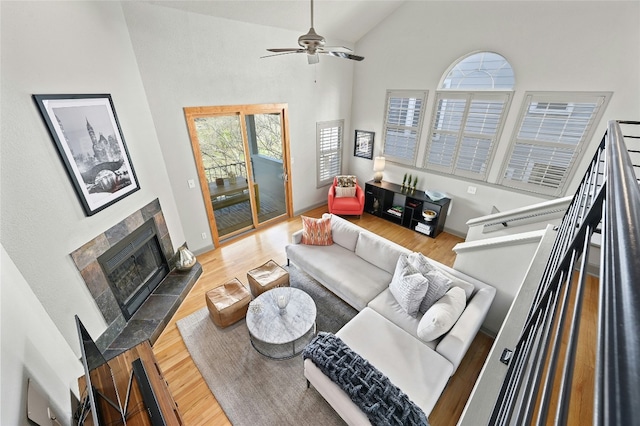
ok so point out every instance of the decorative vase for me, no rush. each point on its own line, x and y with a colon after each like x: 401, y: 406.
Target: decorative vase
x: 282, y: 301
x: 185, y: 259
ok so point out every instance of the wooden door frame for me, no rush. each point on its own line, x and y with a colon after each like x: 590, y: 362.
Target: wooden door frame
x: 241, y: 111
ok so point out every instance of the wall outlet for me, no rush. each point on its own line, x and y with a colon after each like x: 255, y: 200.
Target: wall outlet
x: 471, y: 190
x: 204, y: 235
x: 191, y: 183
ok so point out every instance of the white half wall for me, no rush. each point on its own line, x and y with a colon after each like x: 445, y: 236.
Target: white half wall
x: 69, y: 48
x: 552, y: 46
x: 190, y: 59
x: 32, y: 348
x: 502, y: 262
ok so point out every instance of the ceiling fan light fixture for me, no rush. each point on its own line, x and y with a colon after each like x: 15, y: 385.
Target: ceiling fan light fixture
x: 313, y: 44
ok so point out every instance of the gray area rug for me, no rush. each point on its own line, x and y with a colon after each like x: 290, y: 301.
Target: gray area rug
x: 255, y: 390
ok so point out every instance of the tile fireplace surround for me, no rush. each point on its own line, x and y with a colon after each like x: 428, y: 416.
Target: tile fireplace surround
x: 151, y: 318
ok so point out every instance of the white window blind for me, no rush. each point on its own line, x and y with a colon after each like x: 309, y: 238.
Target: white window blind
x: 329, y: 139
x: 464, y: 131
x: 402, y: 125
x: 550, y: 135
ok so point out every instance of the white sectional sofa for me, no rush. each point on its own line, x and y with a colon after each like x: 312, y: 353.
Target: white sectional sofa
x: 358, y: 268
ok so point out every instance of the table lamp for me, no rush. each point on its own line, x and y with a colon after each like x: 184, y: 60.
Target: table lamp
x: 378, y: 167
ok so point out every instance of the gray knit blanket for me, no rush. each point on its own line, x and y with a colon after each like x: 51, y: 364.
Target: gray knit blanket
x: 382, y: 401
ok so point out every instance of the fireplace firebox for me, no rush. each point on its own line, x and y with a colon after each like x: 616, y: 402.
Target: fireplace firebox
x: 134, y: 267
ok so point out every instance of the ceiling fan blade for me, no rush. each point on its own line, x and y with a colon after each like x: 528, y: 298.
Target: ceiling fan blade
x: 282, y: 53
x: 287, y: 49
x: 337, y: 47
x: 343, y: 55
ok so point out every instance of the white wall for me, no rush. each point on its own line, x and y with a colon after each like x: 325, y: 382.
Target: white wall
x: 75, y: 48
x: 552, y: 46
x: 187, y: 59
x: 32, y: 348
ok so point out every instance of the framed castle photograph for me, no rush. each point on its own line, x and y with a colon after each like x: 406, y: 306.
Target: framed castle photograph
x: 89, y: 140
x: 363, y: 146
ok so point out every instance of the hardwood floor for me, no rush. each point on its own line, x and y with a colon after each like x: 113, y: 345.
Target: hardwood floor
x: 195, y: 401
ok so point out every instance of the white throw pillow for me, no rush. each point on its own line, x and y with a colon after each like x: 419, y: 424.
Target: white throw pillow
x: 408, y: 286
x: 439, y: 284
x: 421, y: 262
x: 426, y: 265
x: 441, y: 317
x: 342, y: 192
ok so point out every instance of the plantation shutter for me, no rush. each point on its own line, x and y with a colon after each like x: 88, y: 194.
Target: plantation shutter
x: 402, y: 125
x: 329, y: 136
x: 552, y: 131
x: 464, y: 131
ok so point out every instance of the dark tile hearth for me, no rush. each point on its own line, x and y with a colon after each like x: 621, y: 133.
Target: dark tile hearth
x: 154, y: 314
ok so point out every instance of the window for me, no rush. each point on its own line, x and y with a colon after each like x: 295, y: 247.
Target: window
x: 402, y: 125
x: 329, y: 136
x: 552, y: 130
x: 466, y: 123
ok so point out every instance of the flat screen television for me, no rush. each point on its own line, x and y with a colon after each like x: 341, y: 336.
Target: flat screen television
x: 102, y: 402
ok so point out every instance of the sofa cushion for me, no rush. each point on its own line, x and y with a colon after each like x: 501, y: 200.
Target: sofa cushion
x: 378, y: 251
x: 408, y: 286
x: 343, y: 232
x: 438, y: 286
x: 387, y: 306
x: 316, y: 232
x: 339, y: 269
x: 419, y: 371
x: 382, y: 401
x: 442, y: 315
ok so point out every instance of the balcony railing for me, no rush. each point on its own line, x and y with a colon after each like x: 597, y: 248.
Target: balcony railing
x: 232, y: 169
x: 541, y: 367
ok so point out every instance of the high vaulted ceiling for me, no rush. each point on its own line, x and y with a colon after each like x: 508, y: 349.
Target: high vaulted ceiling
x: 345, y: 20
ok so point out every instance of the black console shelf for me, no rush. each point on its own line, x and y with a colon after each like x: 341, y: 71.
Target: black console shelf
x: 404, y: 207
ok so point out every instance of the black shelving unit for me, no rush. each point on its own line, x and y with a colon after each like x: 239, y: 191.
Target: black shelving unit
x: 404, y: 207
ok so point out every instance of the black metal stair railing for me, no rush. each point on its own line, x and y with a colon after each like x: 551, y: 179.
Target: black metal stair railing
x: 609, y: 198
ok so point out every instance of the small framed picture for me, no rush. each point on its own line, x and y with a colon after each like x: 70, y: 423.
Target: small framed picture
x: 363, y: 144
x: 90, y: 143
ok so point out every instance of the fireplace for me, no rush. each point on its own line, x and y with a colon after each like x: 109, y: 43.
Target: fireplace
x: 134, y: 267
x: 128, y: 271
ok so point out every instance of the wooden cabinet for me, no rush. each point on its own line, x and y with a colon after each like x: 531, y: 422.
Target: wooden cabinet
x: 404, y: 207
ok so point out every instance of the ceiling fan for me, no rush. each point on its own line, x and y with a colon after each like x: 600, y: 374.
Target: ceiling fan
x: 312, y: 44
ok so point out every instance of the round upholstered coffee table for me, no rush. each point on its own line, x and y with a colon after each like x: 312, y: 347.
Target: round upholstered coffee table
x: 281, y: 333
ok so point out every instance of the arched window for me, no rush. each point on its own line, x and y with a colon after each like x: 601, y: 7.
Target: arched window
x: 468, y: 117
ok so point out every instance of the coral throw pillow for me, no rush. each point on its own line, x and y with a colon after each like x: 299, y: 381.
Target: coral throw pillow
x: 316, y: 232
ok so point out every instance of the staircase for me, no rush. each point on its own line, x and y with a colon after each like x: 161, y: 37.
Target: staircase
x: 528, y: 377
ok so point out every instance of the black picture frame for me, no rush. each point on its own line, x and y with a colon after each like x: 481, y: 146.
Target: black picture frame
x: 89, y: 140
x: 363, y: 145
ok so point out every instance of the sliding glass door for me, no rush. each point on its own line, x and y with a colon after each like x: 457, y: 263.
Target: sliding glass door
x: 242, y: 158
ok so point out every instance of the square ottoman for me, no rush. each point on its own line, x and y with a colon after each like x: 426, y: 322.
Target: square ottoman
x: 228, y: 303
x: 266, y: 277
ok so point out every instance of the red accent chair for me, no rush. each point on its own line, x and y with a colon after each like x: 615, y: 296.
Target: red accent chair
x: 349, y: 206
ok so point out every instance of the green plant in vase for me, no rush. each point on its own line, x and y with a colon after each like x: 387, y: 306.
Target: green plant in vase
x: 404, y: 180
x: 415, y: 182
